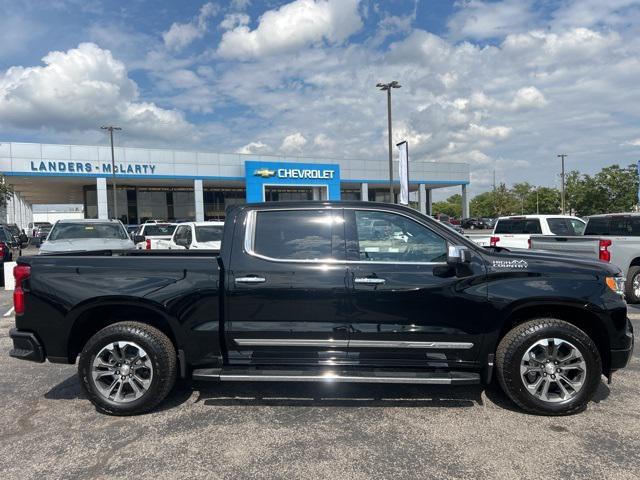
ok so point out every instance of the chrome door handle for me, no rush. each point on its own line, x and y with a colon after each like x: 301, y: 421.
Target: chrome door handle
x: 250, y: 280
x: 369, y: 281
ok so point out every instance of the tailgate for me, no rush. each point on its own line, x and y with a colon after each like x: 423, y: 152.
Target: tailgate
x: 578, y: 246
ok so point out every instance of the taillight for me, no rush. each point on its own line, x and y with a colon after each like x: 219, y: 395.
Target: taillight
x: 147, y: 244
x: 604, y: 253
x: 1, y: 250
x: 20, y: 274
x: 493, y: 241
x: 529, y: 243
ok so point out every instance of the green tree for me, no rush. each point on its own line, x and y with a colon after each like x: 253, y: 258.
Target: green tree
x: 6, y: 191
x: 506, y: 203
x: 482, y: 205
x: 452, y: 206
x: 543, y: 200
x: 619, y: 188
x: 521, y: 193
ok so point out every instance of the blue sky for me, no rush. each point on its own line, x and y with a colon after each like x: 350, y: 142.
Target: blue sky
x: 496, y: 84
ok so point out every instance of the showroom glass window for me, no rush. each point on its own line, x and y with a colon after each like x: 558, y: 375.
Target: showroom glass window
x: 297, y: 234
x: 389, y: 237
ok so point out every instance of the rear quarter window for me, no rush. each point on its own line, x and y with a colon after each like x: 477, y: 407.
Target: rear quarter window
x: 564, y: 226
x: 614, y: 225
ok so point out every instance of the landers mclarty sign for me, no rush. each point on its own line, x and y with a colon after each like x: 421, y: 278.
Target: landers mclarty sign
x: 92, y: 167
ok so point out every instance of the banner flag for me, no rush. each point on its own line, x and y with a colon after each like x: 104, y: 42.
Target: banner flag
x: 403, y: 166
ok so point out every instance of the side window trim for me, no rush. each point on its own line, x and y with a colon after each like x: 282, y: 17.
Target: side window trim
x: 250, y: 232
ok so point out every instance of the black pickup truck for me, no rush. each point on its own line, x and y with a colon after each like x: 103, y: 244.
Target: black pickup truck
x: 331, y: 292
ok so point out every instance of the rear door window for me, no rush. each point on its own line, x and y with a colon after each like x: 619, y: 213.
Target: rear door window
x: 518, y: 226
x: 597, y: 226
x: 298, y: 234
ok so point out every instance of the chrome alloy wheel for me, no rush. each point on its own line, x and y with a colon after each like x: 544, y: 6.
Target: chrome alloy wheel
x: 122, y: 372
x: 553, y: 370
x: 636, y: 285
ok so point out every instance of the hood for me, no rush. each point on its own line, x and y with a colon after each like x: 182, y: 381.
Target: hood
x: 530, y: 260
x: 86, y: 245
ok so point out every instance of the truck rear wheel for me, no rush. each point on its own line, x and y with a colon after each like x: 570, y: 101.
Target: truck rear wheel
x: 548, y: 367
x: 127, y: 368
x: 632, y: 286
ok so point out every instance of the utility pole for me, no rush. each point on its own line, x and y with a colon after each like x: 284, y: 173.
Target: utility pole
x: 387, y: 87
x: 111, y: 128
x: 562, y: 155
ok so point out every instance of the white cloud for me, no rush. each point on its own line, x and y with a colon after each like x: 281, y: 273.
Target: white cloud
x: 480, y: 20
x: 323, y: 141
x: 233, y: 20
x: 293, y: 143
x: 254, y: 147
x: 528, y: 97
x: 293, y: 26
x: 79, y: 90
x: 633, y: 143
x: 240, y: 4
x: 180, y: 35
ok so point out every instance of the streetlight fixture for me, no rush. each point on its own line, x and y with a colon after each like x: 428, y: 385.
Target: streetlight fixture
x: 387, y: 87
x: 111, y: 128
x: 561, y: 156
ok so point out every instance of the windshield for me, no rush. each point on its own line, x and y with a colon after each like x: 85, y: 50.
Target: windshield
x: 159, y: 230
x: 68, y: 231
x: 209, y: 233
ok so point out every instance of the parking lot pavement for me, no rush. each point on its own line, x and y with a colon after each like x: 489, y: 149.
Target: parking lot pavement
x: 49, y: 430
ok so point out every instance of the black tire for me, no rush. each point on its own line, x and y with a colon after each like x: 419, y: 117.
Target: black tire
x: 161, y: 354
x: 515, y: 344
x: 631, y: 297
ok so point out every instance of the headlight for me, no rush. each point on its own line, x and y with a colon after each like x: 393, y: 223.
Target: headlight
x: 616, y: 284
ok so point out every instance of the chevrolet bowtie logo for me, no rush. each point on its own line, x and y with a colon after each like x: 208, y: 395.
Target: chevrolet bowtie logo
x: 264, y: 173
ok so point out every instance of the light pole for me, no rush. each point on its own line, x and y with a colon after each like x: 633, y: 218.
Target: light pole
x: 111, y: 128
x: 387, y: 87
x: 562, y: 155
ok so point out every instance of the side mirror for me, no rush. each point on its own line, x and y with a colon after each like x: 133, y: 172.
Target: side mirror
x: 458, y: 254
x: 139, y: 238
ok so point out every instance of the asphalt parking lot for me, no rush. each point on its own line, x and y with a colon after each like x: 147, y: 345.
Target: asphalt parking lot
x: 49, y: 430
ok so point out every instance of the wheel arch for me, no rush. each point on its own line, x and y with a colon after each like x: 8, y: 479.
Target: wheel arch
x: 577, y: 315
x: 88, y: 319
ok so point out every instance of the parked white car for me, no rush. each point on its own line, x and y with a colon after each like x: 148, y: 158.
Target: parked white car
x: 86, y: 235
x: 195, y: 235
x: 515, y: 232
x: 153, y: 232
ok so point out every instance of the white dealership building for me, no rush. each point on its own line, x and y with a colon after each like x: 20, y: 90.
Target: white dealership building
x: 197, y: 185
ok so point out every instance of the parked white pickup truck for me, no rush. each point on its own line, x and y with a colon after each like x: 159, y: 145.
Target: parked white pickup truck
x: 153, y: 232
x: 194, y: 235
x: 515, y: 232
x: 613, y: 238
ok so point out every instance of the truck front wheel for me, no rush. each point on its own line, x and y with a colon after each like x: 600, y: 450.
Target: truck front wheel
x: 632, y: 287
x: 127, y: 368
x: 548, y: 367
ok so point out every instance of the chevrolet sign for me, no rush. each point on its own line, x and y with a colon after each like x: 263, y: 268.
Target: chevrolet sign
x: 305, y: 173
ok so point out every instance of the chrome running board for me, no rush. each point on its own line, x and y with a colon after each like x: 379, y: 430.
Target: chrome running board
x: 243, y: 374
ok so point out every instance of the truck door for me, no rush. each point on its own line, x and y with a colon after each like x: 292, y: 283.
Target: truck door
x: 408, y: 306
x: 286, y: 289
